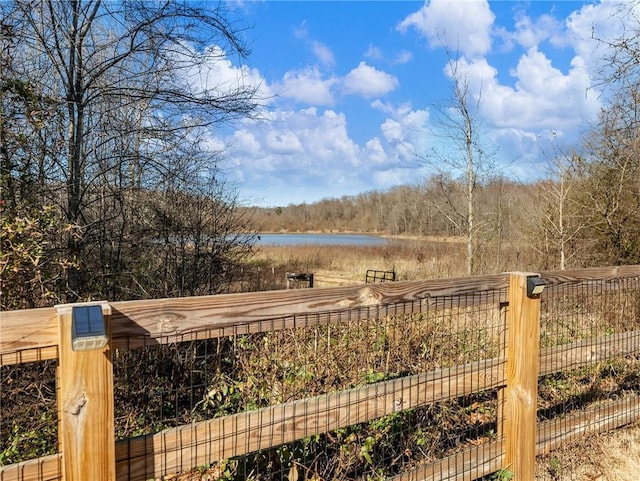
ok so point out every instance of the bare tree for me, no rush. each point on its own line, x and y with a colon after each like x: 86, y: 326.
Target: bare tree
x: 559, y: 217
x: 131, y: 86
x: 610, y: 170
x: 610, y: 183
x: 464, y: 158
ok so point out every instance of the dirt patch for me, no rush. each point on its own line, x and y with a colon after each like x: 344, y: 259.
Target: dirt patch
x: 613, y: 456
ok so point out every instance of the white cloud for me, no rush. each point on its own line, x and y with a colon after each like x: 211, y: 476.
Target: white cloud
x: 369, y: 82
x: 387, y: 108
x: 373, y: 52
x: 313, y: 147
x: 323, y: 53
x: 301, y: 32
x: 402, y: 57
x: 460, y: 26
x: 292, y: 139
x: 283, y: 143
x: 373, y: 152
x: 385, y: 179
x: 307, y: 86
x: 392, y: 131
x: 245, y: 142
x: 216, y: 75
x: 542, y: 98
x: 405, y: 133
x: 608, y: 20
x: 532, y: 32
x: 297, y: 148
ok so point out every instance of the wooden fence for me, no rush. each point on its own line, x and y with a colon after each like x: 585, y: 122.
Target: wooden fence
x: 87, y: 446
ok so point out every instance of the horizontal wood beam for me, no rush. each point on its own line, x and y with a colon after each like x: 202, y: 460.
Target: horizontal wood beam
x: 588, y: 351
x: 573, y: 427
x: 275, y: 425
x: 471, y: 463
x: 29, y: 355
x: 184, y: 319
x: 187, y: 446
x: 604, y: 278
x: 487, y: 457
x: 28, y: 335
x: 46, y: 467
x: 31, y: 334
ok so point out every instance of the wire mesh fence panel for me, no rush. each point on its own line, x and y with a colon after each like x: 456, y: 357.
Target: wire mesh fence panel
x: 28, y: 411
x: 593, y: 330
x: 354, y: 394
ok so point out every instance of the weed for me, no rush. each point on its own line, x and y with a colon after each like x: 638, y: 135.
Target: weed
x: 555, y: 468
x: 503, y: 474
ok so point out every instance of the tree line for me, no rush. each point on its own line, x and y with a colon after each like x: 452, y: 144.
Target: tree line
x: 585, y: 213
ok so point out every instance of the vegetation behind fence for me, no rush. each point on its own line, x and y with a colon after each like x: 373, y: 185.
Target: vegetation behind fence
x: 405, y: 380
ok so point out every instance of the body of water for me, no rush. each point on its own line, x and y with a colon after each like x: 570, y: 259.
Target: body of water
x: 320, y: 239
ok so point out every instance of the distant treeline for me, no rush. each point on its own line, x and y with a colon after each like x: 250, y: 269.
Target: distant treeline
x: 431, y: 209
x: 585, y: 214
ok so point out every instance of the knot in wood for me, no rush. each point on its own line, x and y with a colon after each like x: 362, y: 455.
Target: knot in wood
x: 75, y: 407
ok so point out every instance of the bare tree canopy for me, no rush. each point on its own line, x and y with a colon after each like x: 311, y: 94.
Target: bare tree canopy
x: 100, y: 99
x: 609, y: 172
x: 465, y: 159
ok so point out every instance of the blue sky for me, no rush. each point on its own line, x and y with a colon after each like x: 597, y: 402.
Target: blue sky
x: 351, y: 89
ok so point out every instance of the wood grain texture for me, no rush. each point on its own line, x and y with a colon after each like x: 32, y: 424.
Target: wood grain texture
x: 28, y: 335
x: 85, y: 407
x: 588, y: 351
x: 31, y: 335
x: 472, y: 463
x: 576, y: 276
x: 239, y: 434
x: 183, y: 319
x: 468, y: 464
x: 569, y: 429
x: 488, y: 458
x: 46, y: 468
x: 603, y: 279
x: 519, y: 397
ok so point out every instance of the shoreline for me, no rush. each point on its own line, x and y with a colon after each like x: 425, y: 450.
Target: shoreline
x: 384, y: 235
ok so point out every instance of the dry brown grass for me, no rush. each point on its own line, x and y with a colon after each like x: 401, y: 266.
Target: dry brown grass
x: 613, y: 456
x: 342, y: 265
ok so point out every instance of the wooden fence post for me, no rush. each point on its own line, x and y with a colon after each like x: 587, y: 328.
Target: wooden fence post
x: 519, y: 397
x: 85, y: 404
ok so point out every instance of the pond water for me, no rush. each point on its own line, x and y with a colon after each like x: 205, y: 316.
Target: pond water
x: 320, y: 239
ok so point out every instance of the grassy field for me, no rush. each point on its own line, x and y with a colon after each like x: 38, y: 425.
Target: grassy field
x: 343, y: 265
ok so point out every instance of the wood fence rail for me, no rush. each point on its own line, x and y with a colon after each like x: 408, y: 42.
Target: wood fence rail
x: 87, y: 449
